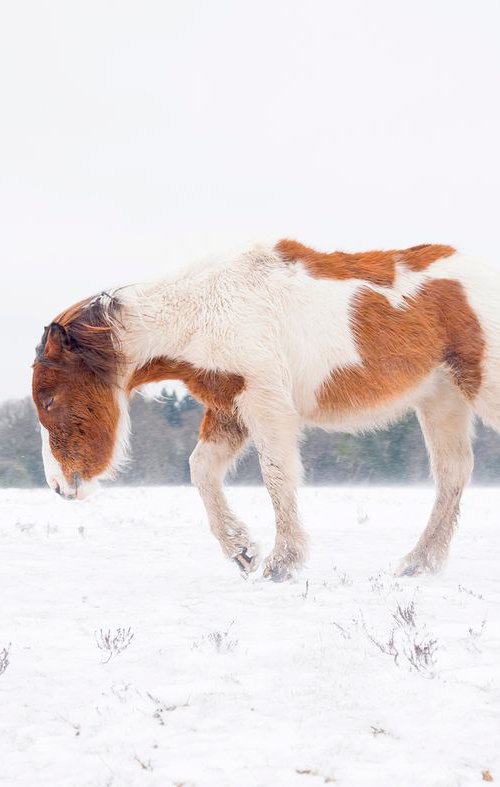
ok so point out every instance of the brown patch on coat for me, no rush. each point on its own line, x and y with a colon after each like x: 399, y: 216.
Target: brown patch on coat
x: 82, y: 420
x: 74, y: 373
x: 377, y: 267
x: 400, y: 347
x: 86, y: 333
x: 216, y: 389
x: 220, y: 426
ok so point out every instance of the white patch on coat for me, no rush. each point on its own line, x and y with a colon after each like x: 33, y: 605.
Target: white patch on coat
x: 53, y: 473
x: 251, y: 314
x: 407, y: 284
x: 481, y: 284
x: 122, y: 439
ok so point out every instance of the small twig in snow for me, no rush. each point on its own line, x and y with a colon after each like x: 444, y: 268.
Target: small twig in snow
x: 343, y: 631
x: 113, y: 644
x: 418, y: 648
x: 342, y: 576
x: 405, y: 616
x: 146, y: 766
x: 4, y: 659
x: 377, y: 731
x: 474, y: 636
x: 462, y: 589
x: 219, y: 639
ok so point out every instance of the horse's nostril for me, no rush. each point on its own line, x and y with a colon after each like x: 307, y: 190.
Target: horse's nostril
x: 57, y: 489
x: 77, y: 480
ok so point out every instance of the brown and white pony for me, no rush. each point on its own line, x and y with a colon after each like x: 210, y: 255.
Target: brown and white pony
x: 269, y: 340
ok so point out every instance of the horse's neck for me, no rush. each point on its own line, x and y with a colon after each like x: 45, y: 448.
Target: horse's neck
x: 158, y: 319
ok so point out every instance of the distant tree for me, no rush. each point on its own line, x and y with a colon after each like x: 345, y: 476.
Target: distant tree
x: 20, y: 438
x: 188, y: 403
x: 171, y: 409
x: 14, y: 474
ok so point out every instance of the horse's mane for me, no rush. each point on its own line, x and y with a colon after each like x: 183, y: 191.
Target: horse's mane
x: 89, y: 336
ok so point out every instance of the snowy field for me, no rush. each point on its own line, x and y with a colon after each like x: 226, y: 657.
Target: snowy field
x: 344, y: 676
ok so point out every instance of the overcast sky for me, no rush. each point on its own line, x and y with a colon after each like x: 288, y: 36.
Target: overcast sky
x: 135, y: 136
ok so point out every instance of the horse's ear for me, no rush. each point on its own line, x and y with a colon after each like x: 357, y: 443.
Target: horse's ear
x: 57, y: 340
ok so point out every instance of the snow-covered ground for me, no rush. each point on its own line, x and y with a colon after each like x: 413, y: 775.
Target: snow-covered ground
x: 233, y: 682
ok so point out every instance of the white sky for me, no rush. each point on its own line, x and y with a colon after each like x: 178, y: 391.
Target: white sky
x: 136, y: 135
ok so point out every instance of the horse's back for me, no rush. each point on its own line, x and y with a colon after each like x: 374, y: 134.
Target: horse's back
x: 360, y: 351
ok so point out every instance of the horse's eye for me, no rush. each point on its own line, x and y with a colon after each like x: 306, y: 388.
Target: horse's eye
x: 47, y: 403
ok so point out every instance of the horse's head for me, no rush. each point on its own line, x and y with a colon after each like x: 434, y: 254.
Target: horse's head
x: 82, y: 411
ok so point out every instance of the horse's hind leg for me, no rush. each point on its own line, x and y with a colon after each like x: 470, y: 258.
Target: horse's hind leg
x: 221, y: 439
x: 445, y: 417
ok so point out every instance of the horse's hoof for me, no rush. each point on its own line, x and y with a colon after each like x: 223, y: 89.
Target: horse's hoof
x: 246, y: 562
x: 282, y: 565
x: 279, y: 574
x: 413, y: 567
x: 409, y: 571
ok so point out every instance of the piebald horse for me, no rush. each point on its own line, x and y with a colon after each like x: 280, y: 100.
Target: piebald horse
x: 269, y: 340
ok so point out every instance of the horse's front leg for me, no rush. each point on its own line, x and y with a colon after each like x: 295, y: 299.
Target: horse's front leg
x: 274, y: 428
x: 221, y: 439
